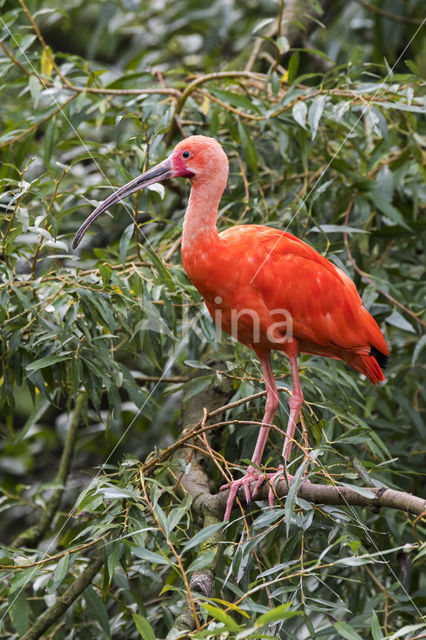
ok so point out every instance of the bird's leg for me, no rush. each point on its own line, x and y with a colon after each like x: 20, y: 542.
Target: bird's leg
x: 271, y: 406
x: 296, y: 402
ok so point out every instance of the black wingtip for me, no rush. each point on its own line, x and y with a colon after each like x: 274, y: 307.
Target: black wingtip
x: 382, y: 360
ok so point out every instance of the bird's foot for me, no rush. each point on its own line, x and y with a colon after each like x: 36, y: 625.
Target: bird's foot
x: 278, y: 476
x: 273, y: 479
x: 252, y: 475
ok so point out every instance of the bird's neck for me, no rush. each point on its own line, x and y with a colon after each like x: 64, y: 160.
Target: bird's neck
x: 199, y: 225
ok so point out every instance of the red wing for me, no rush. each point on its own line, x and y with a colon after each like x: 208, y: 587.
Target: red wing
x: 289, y: 274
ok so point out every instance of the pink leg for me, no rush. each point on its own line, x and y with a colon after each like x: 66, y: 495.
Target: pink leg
x: 271, y: 406
x: 296, y: 402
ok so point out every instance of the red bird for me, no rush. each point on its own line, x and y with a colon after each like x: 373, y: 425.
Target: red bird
x: 265, y: 287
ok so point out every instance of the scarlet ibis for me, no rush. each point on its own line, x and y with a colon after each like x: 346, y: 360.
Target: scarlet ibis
x: 265, y: 287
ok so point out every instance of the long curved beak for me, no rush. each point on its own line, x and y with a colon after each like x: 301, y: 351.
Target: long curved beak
x: 162, y: 171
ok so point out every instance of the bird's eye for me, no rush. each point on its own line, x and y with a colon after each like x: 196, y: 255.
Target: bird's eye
x: 185, y: 154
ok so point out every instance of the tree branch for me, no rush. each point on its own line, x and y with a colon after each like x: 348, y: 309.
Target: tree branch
x: 196, y: 483
x: 65, y: 601
x: 33, y: 535
x: 334, y: 495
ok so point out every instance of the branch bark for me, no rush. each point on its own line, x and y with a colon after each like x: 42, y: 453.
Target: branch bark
x: 196, y: 483
x: 65, y: 601
x: 334, y: 495
x: 33, y: 535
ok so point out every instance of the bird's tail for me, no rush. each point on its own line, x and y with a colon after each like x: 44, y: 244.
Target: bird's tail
x: 368, y: 365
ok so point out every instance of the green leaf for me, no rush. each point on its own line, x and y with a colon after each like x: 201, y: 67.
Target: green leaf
x: 291, y: 495
x: 362, y: 491
x: 125, y: 241
x: 202, y: 535
x: 275, y: 615
x: 97, y: 609
x: 248, y: 147
x: 60, y: 572
x: 376, y: 630
x: 404, y: 631
x: 293, y: 66
x: 315, y: 4
x: 315, y: 112
x: 47, y: 361
x: 418, y: 349
x: 49, y: 141
x: 396, y: 319
x: 163, y: 272
x: 37, y: 413
x: 387, y: 208
x: 143, y: 626
x: 150, y: 556
x: 346, y: 631
x: 299, y: 113
x: 203, y: 560
x: 337, y: 228
x: 35, y: 89
x: 235, y: 99
x: 221, y: 616
x: 19, y: 612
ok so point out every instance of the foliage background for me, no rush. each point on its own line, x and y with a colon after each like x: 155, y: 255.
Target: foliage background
x: 102, y: 351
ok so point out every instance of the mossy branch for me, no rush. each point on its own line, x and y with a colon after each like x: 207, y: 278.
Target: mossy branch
x: 65, y: 601
x: 35, y: 533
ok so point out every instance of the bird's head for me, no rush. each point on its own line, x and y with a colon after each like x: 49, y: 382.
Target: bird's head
x: 197, y: 157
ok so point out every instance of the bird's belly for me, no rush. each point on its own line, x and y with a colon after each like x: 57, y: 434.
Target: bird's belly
x: 251, y: 324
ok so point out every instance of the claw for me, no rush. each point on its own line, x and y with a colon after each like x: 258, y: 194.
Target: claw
x: 253, y: 475
x: 244, y: 482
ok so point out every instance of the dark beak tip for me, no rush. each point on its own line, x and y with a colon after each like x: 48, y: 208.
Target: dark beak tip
x: 161, y: 172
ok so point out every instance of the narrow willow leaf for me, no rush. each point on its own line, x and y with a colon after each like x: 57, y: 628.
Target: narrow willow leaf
x: 97, y: 609
x: 163, y: 272
x: 125, y: 241
x: 47, y: 361
x: 366, y: 493
x: 143, y: 626
x: 19, y: 612
x: 150, y: 556
x: 35, y: 89
x: 299, y: 113
x: 418, y: 349
x: 387, y: 208
x: 346, y: 631
x: 396, y: 319
x: 278, y: 613
x: 38, y: 412
x: 203, y: 560
x: 293, y: 66
x: 315, y: 113
x: 202, y: 535
x: 221, y: 616
x: 376, y: 630
x: 60, y: 572
x: 404, y: 631
x: 248, y: 146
